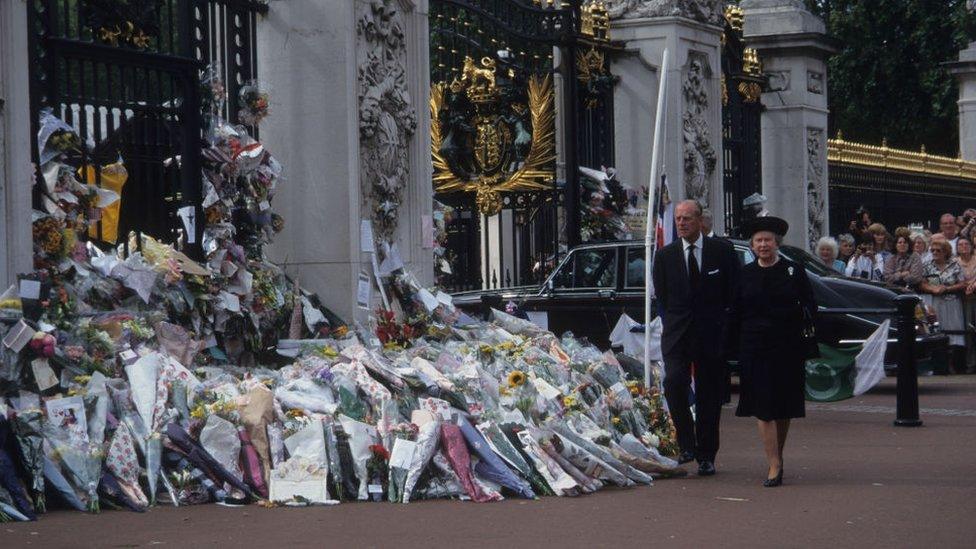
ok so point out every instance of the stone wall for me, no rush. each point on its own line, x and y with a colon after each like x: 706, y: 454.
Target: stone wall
x: 793, y: 47
x: 349, y: 82
x: 693, y: 118
x: 16, y: 172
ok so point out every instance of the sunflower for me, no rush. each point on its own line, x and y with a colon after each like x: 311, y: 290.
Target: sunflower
x: 516, y: 378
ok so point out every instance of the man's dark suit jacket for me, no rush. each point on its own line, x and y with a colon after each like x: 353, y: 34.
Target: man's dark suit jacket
x: 707, y: 313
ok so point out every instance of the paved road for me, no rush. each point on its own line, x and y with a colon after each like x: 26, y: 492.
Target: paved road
x: 852, y: 480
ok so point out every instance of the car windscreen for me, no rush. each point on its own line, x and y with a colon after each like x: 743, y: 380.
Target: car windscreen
x: 809, y: 262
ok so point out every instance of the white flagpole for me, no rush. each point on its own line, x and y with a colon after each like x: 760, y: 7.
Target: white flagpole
x: 651, y: 229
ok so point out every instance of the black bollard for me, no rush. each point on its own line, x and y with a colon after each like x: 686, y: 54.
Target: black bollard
x: 907, y: 399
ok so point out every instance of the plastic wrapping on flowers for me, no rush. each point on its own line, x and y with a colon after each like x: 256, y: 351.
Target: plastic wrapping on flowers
x: 120, y: 372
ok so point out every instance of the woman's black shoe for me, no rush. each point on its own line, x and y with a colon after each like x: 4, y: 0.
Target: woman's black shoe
x: 685, y: 457
x: 775, y: 481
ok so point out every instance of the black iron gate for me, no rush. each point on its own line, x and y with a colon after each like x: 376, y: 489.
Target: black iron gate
x: 742, y: 86
x: 126, y: 76
x: 509, y: 230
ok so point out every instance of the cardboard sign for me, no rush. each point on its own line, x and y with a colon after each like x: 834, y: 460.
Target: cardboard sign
x: 18, y: 336
x: 188, y: 215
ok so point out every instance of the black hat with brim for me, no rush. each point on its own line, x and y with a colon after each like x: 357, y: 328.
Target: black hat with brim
x: 772, y: 224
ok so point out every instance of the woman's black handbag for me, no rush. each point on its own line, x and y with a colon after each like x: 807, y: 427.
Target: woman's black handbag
x: 811, y: 349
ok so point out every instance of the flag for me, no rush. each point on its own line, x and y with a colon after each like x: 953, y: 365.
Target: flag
x: 869, y: 363
x: 664, y: 229
x: 846, y: 372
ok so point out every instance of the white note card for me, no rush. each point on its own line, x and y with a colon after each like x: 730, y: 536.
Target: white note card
x: 366, y: 244
x: 363, y: 291
x: 30, y: 289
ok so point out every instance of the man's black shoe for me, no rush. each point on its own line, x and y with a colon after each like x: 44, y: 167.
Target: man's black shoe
x: 706, y: 469
x: 685, y: 457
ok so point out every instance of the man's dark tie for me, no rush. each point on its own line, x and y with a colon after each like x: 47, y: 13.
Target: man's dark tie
x: 694, y: 273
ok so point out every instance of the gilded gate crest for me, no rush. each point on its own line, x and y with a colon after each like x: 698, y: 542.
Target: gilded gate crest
x: 490, y: 135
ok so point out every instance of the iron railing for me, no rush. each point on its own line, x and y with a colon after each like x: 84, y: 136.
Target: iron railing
x: 126, y: 77
x: 894, y: 197
x: 741, y: 112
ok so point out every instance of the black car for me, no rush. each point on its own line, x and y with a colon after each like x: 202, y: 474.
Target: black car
x: 595, y: 283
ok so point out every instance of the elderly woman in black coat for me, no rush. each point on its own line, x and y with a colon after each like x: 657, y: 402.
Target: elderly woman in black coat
x: 773, y: 306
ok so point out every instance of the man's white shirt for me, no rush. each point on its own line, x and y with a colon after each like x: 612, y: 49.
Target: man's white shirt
x: 698, y: 249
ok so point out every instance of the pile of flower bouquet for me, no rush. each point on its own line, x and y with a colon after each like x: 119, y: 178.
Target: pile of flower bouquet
x: 125, y: 408
x: 134, y: 376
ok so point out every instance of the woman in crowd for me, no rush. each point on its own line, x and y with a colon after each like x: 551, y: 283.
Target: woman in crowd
x: 866, y: 262
x: 920, y: 245
x: 943, y: 280
x: 881, y: 240
x: 827, y: 250
x: 903, y: 268
x: 773, y: 303
x: 846, y: 243
x: 967, y: 263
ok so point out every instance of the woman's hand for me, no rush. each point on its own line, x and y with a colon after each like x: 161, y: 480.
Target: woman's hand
x: 971, y: 288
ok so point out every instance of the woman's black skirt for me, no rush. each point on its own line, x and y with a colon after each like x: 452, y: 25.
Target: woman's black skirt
x: 771, y: 386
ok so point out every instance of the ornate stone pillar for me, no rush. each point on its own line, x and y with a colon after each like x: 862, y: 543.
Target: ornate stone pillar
x: 392, y: 56
x: 691, y: 30
x: 965, y: 71
x: 16, y: 172
x: 349, y: 86
x: 793, y: 49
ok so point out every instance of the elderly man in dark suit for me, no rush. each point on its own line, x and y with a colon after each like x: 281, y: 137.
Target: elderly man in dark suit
x: 694, y: 280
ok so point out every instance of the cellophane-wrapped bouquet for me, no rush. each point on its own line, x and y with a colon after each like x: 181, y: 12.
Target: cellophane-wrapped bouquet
x: 133, y: 376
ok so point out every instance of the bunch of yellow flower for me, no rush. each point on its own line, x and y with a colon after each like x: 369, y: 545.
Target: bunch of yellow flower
x: 516, y: 378
x: 572, y: 402
x: 327, y: 352
x: 219, y: 407
x: 636, y: 388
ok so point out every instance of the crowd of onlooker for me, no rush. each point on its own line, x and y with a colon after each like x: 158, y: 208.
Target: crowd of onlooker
x: 940, y: 266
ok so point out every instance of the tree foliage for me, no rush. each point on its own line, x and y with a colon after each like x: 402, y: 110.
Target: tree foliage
x: 888, y: 80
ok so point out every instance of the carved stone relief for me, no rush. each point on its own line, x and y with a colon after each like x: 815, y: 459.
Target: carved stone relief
x: 816, y: 185
x: 815, y: 82
x: 705, y: 11
x: 387, y: 118
x: 698, y: 154
x: 778, y: 80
